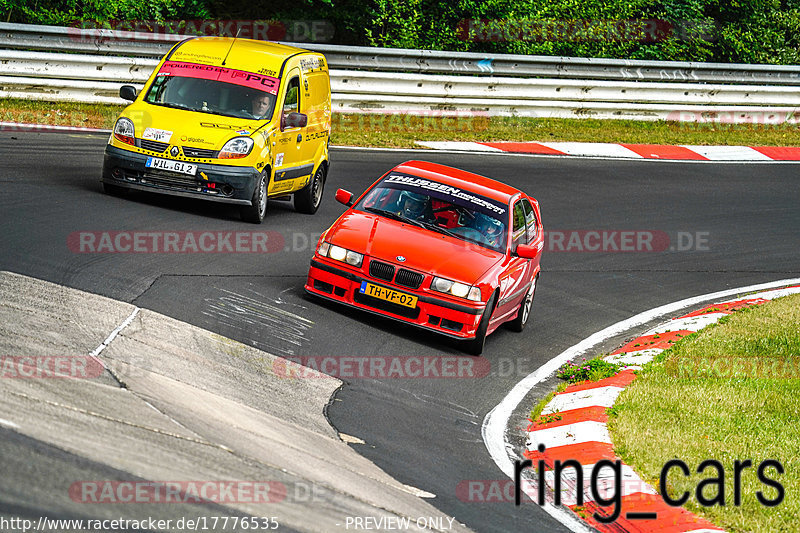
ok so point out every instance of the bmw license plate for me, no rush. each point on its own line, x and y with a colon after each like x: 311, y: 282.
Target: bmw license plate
x: 396, y: 297
x: 172, y: 166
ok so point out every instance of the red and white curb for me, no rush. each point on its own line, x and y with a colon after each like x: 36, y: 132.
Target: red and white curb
x: 627, y: 151
x: 579, y: 430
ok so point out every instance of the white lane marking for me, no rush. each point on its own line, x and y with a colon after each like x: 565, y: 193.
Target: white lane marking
x: 593, y: 149
x: 768, y: 295
x: 691, y: 323
x: 8, y: 424
x: 728, y: 153
x: 577, y: 433
x: 598, y: 396
x: 114, y: 333
x: 458, y: 145
x: 495, y: 423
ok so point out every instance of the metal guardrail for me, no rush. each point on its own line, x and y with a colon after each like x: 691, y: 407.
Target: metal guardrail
x: 90, y: 65
x: 36, y: 37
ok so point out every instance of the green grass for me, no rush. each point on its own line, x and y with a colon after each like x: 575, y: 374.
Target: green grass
x: 591, y: 370
x: 401, y: 131
x: 731, y: 392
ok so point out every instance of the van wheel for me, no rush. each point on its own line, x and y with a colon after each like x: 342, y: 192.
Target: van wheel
x: 256, y: 212
x: 307, y: 199
x: 475, y: 346
x: 114, y: 190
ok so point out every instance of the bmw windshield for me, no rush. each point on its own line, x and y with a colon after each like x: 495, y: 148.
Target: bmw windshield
x: 440, y: 208
x: 214, y: 90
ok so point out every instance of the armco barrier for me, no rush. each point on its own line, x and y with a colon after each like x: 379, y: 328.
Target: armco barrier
x: 89, y: 65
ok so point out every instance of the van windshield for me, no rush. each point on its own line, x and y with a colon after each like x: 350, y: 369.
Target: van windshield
x: 214, y: 90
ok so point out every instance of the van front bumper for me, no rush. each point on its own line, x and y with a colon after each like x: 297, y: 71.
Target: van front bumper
x: 227, y: 184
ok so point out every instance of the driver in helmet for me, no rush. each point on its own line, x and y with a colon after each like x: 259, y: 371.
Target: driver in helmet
x: 490, y: 228
x: 414, y: 206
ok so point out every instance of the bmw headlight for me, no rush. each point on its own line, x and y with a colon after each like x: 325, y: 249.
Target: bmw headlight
x: 338, y: 253
x: 462, y: 290
x: 236, y: 148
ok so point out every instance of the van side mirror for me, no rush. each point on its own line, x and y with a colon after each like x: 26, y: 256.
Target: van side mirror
x: 294, y: 120
x: 344, y: 197
x: 127, y: 92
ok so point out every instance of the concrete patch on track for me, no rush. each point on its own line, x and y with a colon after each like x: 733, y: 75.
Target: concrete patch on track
x: 170, y: 403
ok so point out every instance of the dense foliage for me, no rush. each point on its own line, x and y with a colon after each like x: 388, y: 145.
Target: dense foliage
x: 747, y: 31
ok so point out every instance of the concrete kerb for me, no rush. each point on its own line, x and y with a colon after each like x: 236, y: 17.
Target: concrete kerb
x: 186, y: 404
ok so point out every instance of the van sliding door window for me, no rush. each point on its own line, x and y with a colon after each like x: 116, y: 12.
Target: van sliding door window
x: 292, y: 102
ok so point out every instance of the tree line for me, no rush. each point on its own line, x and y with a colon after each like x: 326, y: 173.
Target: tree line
x: 735, y: 31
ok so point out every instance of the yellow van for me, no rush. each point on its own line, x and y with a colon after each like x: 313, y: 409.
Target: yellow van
x: 227, y: 120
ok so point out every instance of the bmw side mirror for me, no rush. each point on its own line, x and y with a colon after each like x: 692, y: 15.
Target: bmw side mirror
x: 127, y: 92
x: 344, y: 197
x: 526, y: 251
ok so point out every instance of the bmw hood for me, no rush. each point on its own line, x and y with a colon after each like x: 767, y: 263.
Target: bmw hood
x: 413, y: 247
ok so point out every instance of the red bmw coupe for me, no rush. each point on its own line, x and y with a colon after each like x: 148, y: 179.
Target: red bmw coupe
x: 436, y: 247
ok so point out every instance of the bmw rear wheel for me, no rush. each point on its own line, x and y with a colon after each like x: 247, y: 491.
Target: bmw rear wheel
x: 518, y: 324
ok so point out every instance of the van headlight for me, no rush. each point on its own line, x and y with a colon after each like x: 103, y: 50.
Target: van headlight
x: 338, y: 253
x: 462, y: 290
x: 124, y: 132
x: 236, y: 148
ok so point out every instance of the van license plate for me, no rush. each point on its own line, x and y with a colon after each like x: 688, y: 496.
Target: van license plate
x: 172, y: 166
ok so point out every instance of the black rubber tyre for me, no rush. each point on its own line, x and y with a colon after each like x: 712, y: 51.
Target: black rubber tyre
x: 475, y: 346
x: 114, y: 190
x: 307, y: 199
x: 518, y: 324
x: 255, y: 213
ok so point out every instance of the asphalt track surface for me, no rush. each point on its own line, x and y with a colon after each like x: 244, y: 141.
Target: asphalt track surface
x: 424, y: 432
